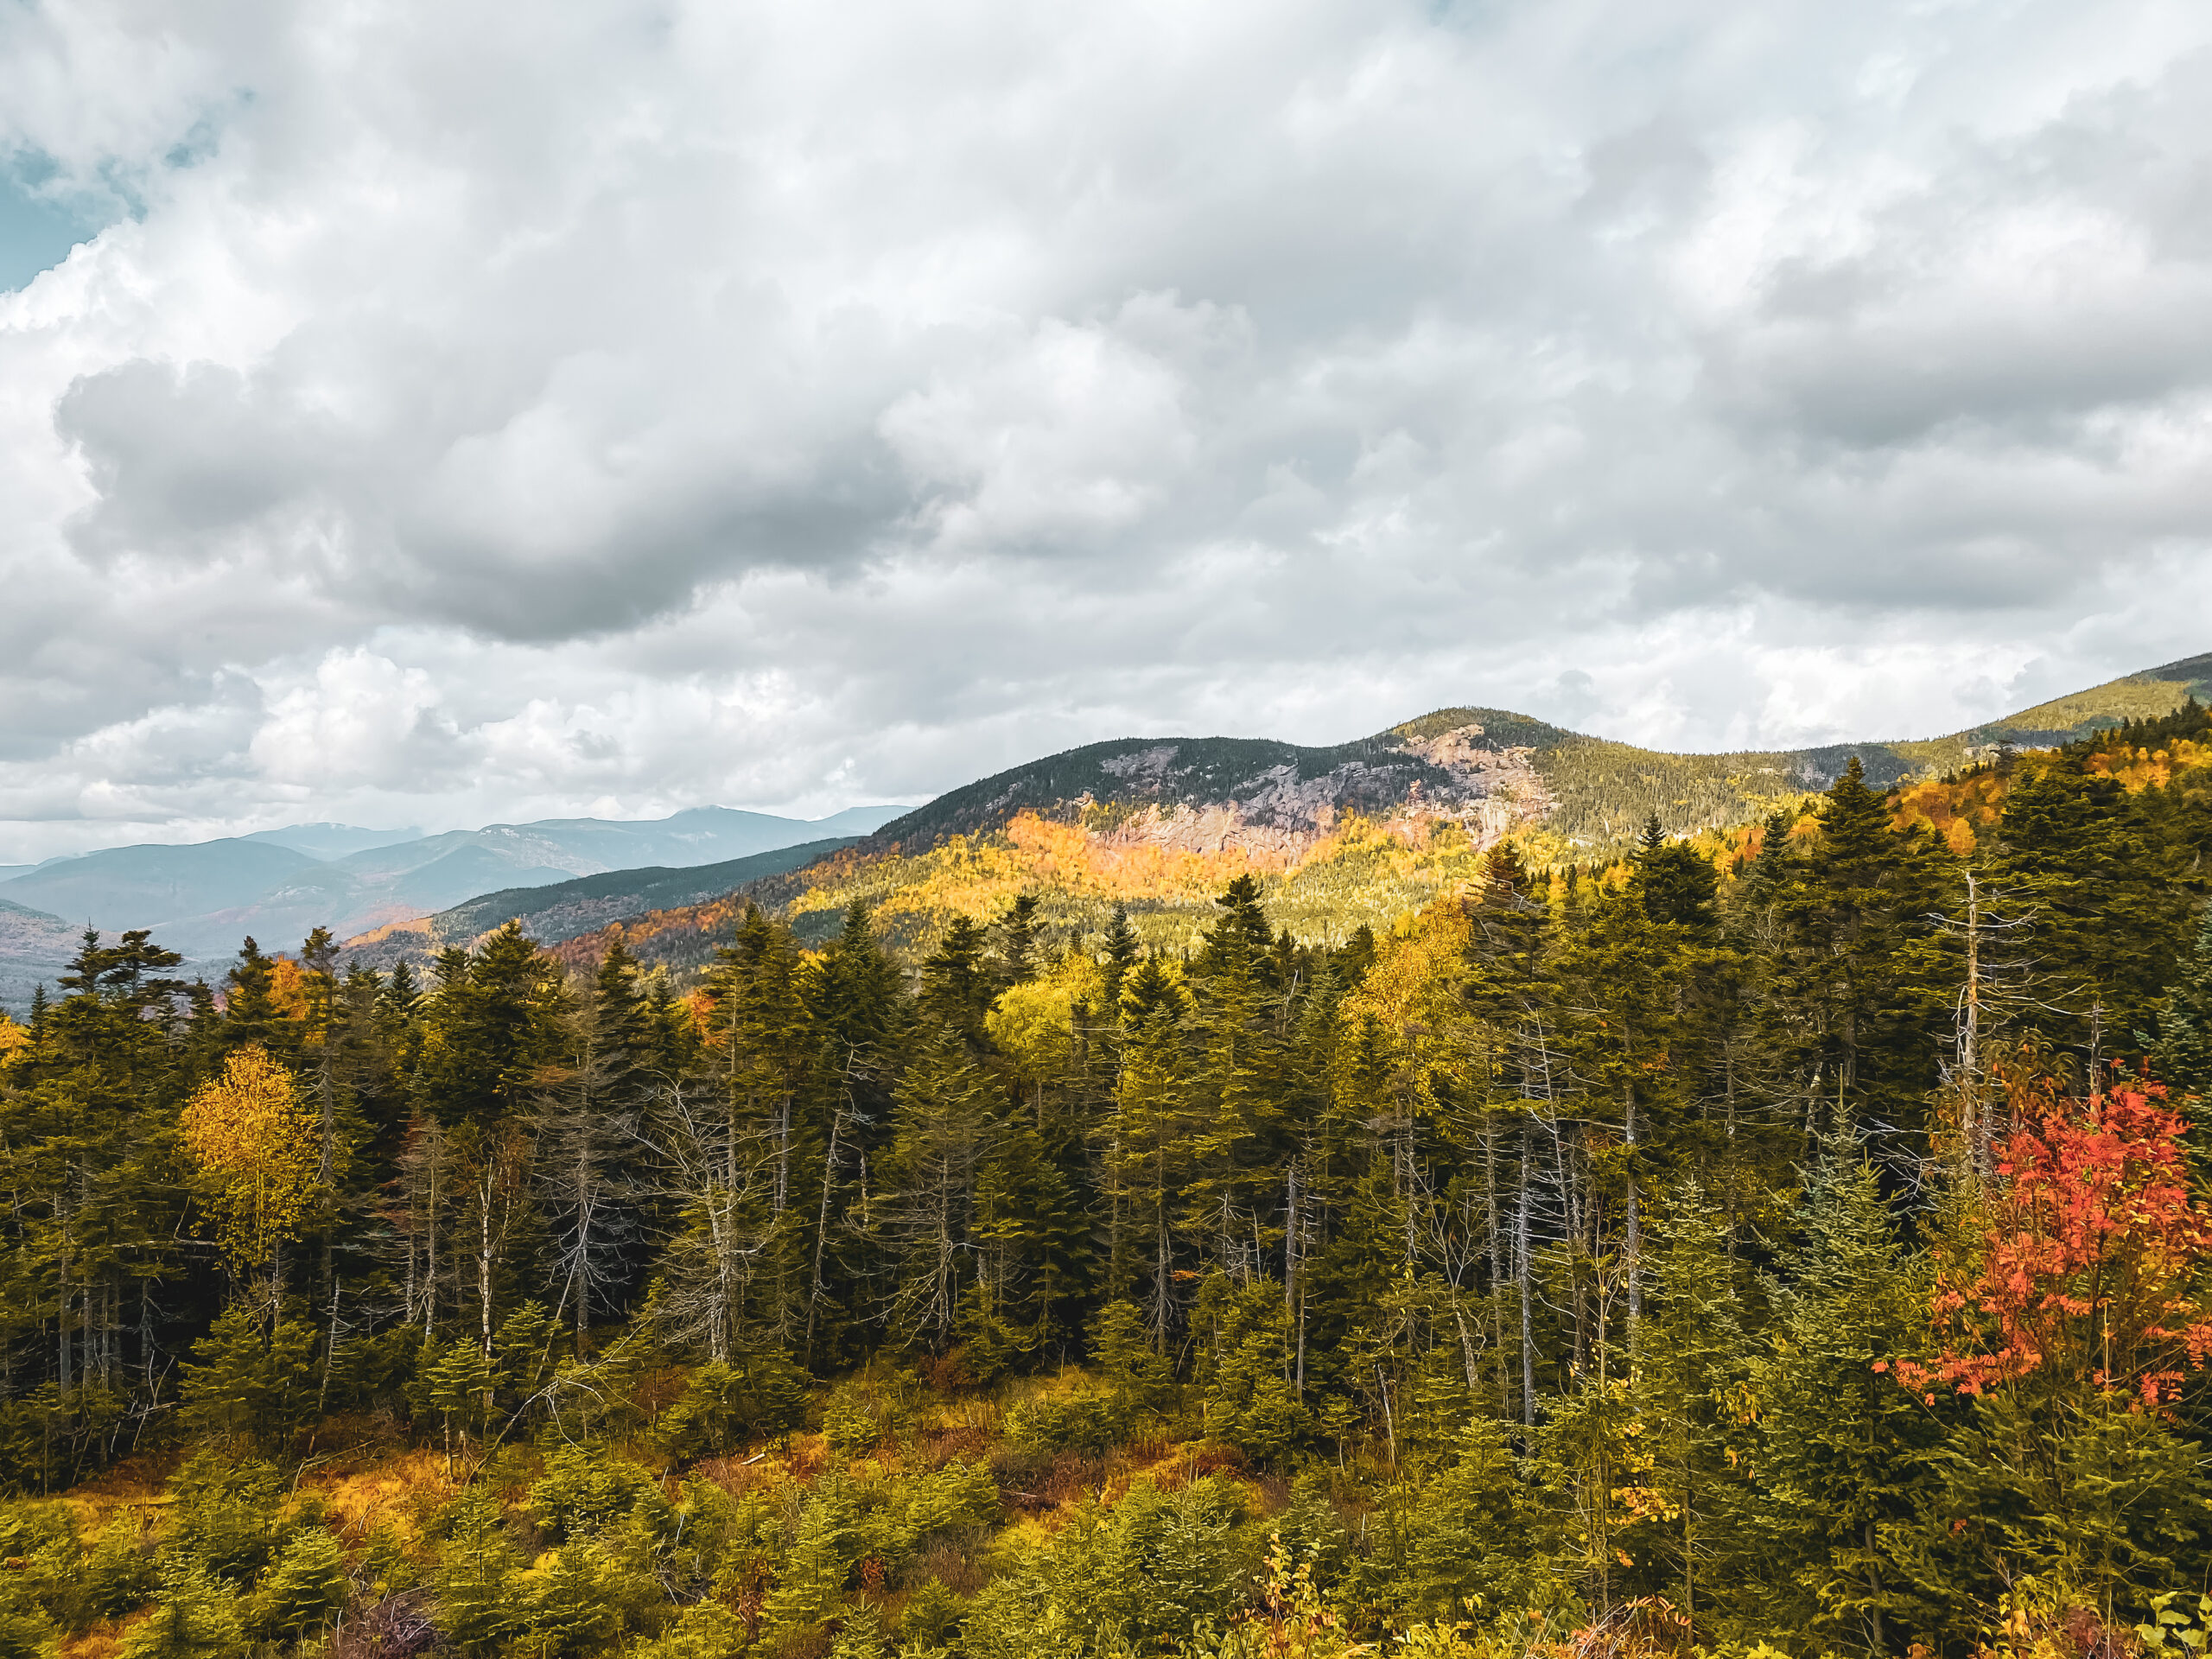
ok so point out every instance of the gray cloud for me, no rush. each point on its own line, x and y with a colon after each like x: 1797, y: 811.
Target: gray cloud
x: 660, y: 404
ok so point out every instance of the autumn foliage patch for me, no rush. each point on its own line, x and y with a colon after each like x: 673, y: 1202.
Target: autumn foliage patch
x: 2086, y: 1258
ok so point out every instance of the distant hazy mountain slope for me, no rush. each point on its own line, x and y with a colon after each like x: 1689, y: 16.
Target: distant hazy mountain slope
x: 2133, y: 696
x: 705, y: 835
x: 33, y: 945
x: 1352, y: 832
x: 327, y: 841
x: 202, y: 900
x: 563, y: 909
x: 152, y: 885
x: 1590, y: 792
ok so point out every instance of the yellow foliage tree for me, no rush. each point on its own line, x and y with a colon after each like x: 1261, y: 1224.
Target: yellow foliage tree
x: 254, y: 1138
x: 15, y: 1040
x: 1032, y: 1022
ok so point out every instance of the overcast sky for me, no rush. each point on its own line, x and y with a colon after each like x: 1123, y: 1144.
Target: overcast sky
x: 455, y: 412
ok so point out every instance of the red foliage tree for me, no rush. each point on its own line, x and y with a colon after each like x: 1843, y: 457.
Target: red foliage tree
x: 2082, y: 1262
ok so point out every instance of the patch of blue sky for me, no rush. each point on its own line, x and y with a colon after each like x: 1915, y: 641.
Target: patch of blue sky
x: 40, y: 220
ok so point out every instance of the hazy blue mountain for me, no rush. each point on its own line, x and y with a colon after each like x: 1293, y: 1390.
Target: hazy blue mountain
x: 151, y: 886
x: 202, y: 899
x: 33, y: 945
x: 332, y: 839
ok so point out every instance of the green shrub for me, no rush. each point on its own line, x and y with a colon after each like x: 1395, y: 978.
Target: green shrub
x: 305, y: 1590
x: 828, y: 1545
x: 583, y: 1490
x: 862, y: 1413
x: 226, y: 1515
x: 932, y: 1616
x: 850, y: 1425
x: 1250, y: 1403
x: 1086, y: 1421
x: 388, y: 1566
x: 1469, y: 1538
x: 861, y: 1636
x: 476, y: 1606
x: 120, y: 1575
x: 197, y: 1618
x: 45, y: 1579
x: 1149, y: 1572
x: 958, y: 1495
x: 1310, y: 1530
x: 246, y: 1382
x: 1138, y: 1379
x: 26, y: 1631
x: 706, y: 1629
x: 572, y: 1609
x: 723, y: 1406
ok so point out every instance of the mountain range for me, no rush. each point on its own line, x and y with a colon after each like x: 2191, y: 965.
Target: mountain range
x: 1339, y: 836
x: 201, y: 898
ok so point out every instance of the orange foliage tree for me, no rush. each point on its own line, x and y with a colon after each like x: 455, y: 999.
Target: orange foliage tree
x: 251, y: 1134
x: 2087, y: 1260
x: 2069, y: 1309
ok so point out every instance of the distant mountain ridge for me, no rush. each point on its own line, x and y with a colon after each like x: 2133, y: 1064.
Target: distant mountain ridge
x: 562, y: 910
x: 1157, y: 822
x: 201, y: 898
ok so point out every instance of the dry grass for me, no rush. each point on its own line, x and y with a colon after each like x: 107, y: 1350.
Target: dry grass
x: 958, y: 1566
x: 135, y: 1482
x: 102, y: 1641
x: 740, y: 1472
x: 935, y: 1448
x: 401, y: 1488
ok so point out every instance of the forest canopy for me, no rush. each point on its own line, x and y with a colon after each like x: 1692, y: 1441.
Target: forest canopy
x: 1793, y: 1241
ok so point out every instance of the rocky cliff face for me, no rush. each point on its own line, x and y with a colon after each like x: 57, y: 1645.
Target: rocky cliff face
x: 1278, y: 814
x: 1274, y: 800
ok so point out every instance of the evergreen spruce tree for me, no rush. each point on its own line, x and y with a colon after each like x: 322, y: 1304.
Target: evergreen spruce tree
x: 1859, y: 981
x: 1843, y: 1448
x: 1017, y: 941
x: 942, y: 1129
x: 2074, y: 852
x: 957, y: 987
x: 2182, y: 1057
x: 1691, y: 1407
x: 1121, y: 950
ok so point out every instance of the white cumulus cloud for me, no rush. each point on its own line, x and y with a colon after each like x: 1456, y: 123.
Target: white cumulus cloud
x: 466, y: 415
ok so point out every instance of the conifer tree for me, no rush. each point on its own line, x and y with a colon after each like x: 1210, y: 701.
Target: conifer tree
x: 2074, y: 853
x: 2182, y: 1057
x: 942, y: 1128
x: 1146, y: 1151
x: 1019, y: 946
x: 1689, y: 1401
x: 957, y: 987
x: 1842, y: 1449
x: 1121, y: 950
x: 768, y: 1057
x: 1858, y: 978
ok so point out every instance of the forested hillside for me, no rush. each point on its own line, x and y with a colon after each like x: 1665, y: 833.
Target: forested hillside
x: 1789, y: 1240
x: 562, y: 910
x: 1338, y: 838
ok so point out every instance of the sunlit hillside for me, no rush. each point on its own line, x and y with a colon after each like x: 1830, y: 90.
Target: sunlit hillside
x: 1354, y: 835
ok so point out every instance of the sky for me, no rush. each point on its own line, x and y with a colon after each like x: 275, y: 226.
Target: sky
x: 436, y: 414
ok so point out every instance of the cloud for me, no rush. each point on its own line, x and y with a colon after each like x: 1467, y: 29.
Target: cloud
x: 657, y: 404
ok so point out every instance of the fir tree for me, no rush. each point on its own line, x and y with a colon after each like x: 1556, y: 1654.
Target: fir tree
x: 2182, y: 1055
